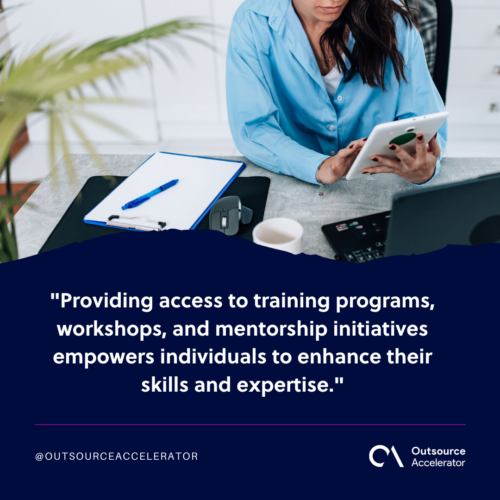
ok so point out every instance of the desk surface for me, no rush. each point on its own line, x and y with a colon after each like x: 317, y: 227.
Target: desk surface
x: 288, y: 197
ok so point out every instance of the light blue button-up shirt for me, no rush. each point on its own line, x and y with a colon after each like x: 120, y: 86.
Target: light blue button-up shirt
x: 280, y: 113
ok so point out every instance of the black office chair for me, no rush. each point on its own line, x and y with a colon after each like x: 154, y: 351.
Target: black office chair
x: 435, y: 28
x: 442, y: 64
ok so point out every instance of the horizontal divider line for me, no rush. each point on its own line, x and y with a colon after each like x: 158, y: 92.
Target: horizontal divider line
x: 248, y: 425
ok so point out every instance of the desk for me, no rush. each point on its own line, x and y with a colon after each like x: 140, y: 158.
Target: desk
x: 288, y: 197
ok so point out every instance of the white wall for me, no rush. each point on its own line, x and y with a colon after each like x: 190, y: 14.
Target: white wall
x: 188, y: 103
x: 474, y: 79
x: 191, y: 104
x: 39, y: 22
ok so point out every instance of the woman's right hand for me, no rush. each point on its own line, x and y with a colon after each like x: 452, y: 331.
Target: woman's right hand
x: 332, y: 169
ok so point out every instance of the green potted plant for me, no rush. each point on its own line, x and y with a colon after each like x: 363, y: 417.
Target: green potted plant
x: 51, y: 80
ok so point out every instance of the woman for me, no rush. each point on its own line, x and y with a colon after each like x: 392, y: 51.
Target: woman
x: 307, y: 80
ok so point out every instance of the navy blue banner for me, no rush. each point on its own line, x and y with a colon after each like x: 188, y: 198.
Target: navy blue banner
x: 189, y: 364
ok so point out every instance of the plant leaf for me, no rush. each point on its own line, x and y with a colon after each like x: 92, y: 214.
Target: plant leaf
x: 57, y: 82
x: 9, y: 245
x: 106, y: 124
x: 90, y: 148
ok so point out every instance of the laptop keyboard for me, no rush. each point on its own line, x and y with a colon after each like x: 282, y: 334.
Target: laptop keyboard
x: 367, y: 254
x: 359, y: 240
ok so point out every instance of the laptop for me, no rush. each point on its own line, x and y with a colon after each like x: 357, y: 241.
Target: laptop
x: 463, y: 213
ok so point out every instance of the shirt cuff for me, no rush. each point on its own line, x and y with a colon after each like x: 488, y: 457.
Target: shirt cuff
x: 316, y: 163
x: 302, y: 163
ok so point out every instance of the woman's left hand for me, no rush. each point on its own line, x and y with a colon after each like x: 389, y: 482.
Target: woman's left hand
x: 417, y: 168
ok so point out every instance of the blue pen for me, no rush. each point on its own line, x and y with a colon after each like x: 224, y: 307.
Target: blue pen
x: 145, y: 197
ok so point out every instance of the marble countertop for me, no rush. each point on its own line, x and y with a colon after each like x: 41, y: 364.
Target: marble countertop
x: 288, y: 197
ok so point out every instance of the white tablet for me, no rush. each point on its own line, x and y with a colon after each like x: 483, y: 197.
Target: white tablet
x: 401, y: 132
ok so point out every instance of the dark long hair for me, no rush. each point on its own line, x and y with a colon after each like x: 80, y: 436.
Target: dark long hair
x: 372, y: 25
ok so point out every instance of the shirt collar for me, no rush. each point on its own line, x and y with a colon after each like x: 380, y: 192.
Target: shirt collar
x: 278, y: 13
x: 297, y: 42
x: 282, y: 13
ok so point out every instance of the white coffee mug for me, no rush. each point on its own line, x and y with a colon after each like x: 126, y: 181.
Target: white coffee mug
x: 281, y: 234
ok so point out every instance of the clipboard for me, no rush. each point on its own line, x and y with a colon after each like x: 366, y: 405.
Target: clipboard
x: 202, y: 181
x: 71, y: 229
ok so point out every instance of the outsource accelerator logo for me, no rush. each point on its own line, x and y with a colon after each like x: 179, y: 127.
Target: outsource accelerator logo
x: 427, y: 457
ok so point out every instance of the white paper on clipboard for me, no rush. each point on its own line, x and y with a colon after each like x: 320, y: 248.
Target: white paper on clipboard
x: 201, y: 182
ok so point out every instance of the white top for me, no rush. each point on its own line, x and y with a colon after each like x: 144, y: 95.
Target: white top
x: 332, y: 81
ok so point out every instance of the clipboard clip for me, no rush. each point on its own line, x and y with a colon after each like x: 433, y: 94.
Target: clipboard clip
x: 131, y: 224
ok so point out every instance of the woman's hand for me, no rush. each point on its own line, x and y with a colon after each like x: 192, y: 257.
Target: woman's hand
x: 417, y: 168
x: 332, y: 169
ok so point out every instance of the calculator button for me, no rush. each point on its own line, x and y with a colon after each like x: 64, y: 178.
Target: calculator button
x: 361, y: 259
x: 369, y: 257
